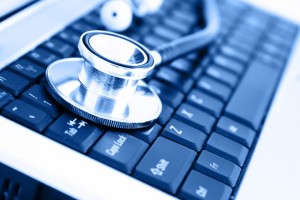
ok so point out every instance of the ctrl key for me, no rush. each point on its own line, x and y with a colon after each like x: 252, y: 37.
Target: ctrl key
x: 200, y: 186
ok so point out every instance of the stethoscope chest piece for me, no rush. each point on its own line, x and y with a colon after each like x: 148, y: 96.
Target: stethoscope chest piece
x: 105, y: 85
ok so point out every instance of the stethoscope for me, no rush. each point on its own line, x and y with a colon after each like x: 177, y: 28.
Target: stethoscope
x: 105, y: 85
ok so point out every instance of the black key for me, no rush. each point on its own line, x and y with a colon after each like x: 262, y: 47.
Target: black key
x: 241, y: 43
x: 227, y: 149
x: 269, y: 60
x: 147, y: 135
x: 250, y: 34
x: 93, y: 19
x: 153, y: 41
x: 233, y: 53
x: 192, y: 57
x: 274, y: 51
x: 13, y: 83
x: 218, y: 168
x: 205, y: 102
x: 81, y: 26
x: 279, y: 41
x: 222, y: 75
x: 252, y: 97
x: 167, y: 94
x: 176, y: 25
x: 37, y: 96
x: 119, y: 150
x: 164, y: 168
x: 74, y: 132
x: 195, y: 118
x: 200, y: 186
x: 69, y: 36
x: 60, y: 48
x: 229, y: 64
x: 5, y: 97
x: 182, y: 65
x: 27, y: 115
x: 235, y: 131
x: 166, y: 33
x: 186, y: 17
x: 27, y: 69
x: 181, y: 82
x: 184, y: 134
x: 165, y: 114
x: 214, y: 88
x: 42, y: 56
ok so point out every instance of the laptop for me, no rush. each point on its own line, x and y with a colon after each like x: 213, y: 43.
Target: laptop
x: 229, y: 124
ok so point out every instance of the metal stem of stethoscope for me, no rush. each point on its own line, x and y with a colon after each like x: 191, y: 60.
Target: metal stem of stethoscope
x: 105, y: 85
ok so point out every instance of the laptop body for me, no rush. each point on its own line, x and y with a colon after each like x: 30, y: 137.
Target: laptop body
x: 81, y: 177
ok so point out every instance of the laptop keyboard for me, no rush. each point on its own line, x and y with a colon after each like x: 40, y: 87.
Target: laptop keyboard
x: 214, y: 101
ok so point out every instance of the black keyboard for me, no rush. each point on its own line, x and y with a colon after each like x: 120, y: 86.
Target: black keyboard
x: 214, y: 100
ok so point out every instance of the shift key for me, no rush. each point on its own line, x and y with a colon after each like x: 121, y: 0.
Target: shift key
x: 251, y: 99
x: 165, y: 165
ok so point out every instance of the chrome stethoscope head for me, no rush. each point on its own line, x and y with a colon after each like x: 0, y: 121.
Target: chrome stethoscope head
x: 105, y: 85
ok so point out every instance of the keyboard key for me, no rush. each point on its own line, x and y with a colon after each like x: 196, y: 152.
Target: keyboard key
x: 147, y: 135
x: 69, y: 36
x: 37, y: 96
x: 251, y: 99
x: 119, y: 150
x: 74, y: 132
x: 181, y: 82
x: 93, y: 19
x: 27, y: 115
x: 222, y: 75
x: 166, y: 33
x: 13, y: 83
x: 5, y: 97
x: 167, y: 94
x: 241, y: 43
x: 81, y: 26
x: 182, y: 65
x: 60, y: 48
x: 165, y: 114
x: 218, y: 168
x: 42, y: 57
x: 200, y: 186
x: 162, y: 167
x: 205, y: 102
x: 233, y: 53
x: 227, y: 149
x: 152, y: 41
x: 186, y: 17
x: 275, y: 52
x: 214, y: 88
x: 235, y: 131
x: 184, y: 134
x: 195, y: 118
x: 229, y: 64
x: 27, y: 69
x: 177, y: 25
